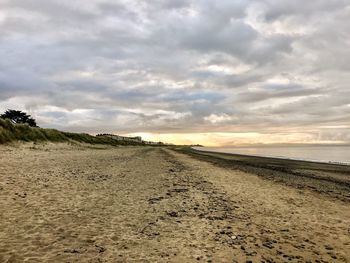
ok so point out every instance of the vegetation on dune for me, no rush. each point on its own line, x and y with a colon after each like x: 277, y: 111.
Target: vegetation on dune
x: 10, y: 132
x: 19, y: 126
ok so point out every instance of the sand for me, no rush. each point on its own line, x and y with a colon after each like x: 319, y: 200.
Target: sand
x: 70, y: 203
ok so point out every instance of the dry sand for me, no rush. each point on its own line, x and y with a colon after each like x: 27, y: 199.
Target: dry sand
x: 61, y: 203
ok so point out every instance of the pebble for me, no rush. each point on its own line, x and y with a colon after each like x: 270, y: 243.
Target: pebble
x: 328, y: 247
x: 173, y: 214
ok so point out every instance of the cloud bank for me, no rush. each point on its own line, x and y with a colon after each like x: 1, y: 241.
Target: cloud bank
x: 267, y: 67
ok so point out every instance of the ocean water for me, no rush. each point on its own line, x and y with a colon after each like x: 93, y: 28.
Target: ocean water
x: 329, y: 154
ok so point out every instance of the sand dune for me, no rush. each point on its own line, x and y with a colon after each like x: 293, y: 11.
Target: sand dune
x: 61, y: 203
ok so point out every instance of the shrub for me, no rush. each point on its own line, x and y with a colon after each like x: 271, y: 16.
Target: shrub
x: 17, y: 116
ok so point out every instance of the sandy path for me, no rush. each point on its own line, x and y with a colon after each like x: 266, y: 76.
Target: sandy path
x: 74, y: 204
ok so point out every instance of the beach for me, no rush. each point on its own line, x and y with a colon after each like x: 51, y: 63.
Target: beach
x: 80, y: 203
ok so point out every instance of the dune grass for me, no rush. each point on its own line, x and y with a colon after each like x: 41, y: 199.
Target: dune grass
x: 10, y: 132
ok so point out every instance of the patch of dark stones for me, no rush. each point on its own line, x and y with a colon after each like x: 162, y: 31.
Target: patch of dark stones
x: 99, y: 177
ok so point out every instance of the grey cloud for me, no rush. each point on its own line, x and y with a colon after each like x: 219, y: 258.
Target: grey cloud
x: 52, y: 9
x: 278, y: 91
x: 274, y: 9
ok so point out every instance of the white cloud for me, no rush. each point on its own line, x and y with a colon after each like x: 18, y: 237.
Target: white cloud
x: 218, y: 118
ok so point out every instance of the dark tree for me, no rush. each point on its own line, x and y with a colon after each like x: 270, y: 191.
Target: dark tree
x: 17, y: 116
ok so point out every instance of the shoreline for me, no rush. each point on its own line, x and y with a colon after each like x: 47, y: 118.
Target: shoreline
x: 279, y: 158
x: 325, y: 178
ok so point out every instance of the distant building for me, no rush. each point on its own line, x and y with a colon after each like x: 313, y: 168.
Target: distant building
x: 122, y: 138
x: 137, y: 139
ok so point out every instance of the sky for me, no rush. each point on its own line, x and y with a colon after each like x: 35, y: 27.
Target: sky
x: 217, y: 73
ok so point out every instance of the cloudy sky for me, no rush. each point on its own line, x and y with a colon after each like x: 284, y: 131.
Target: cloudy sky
x: 205, y: 71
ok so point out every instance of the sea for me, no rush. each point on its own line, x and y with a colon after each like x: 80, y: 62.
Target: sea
x: 327, y: 154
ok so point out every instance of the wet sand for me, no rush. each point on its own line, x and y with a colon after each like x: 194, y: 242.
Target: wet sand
x: 326, y: 178
x: 64, y: 203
